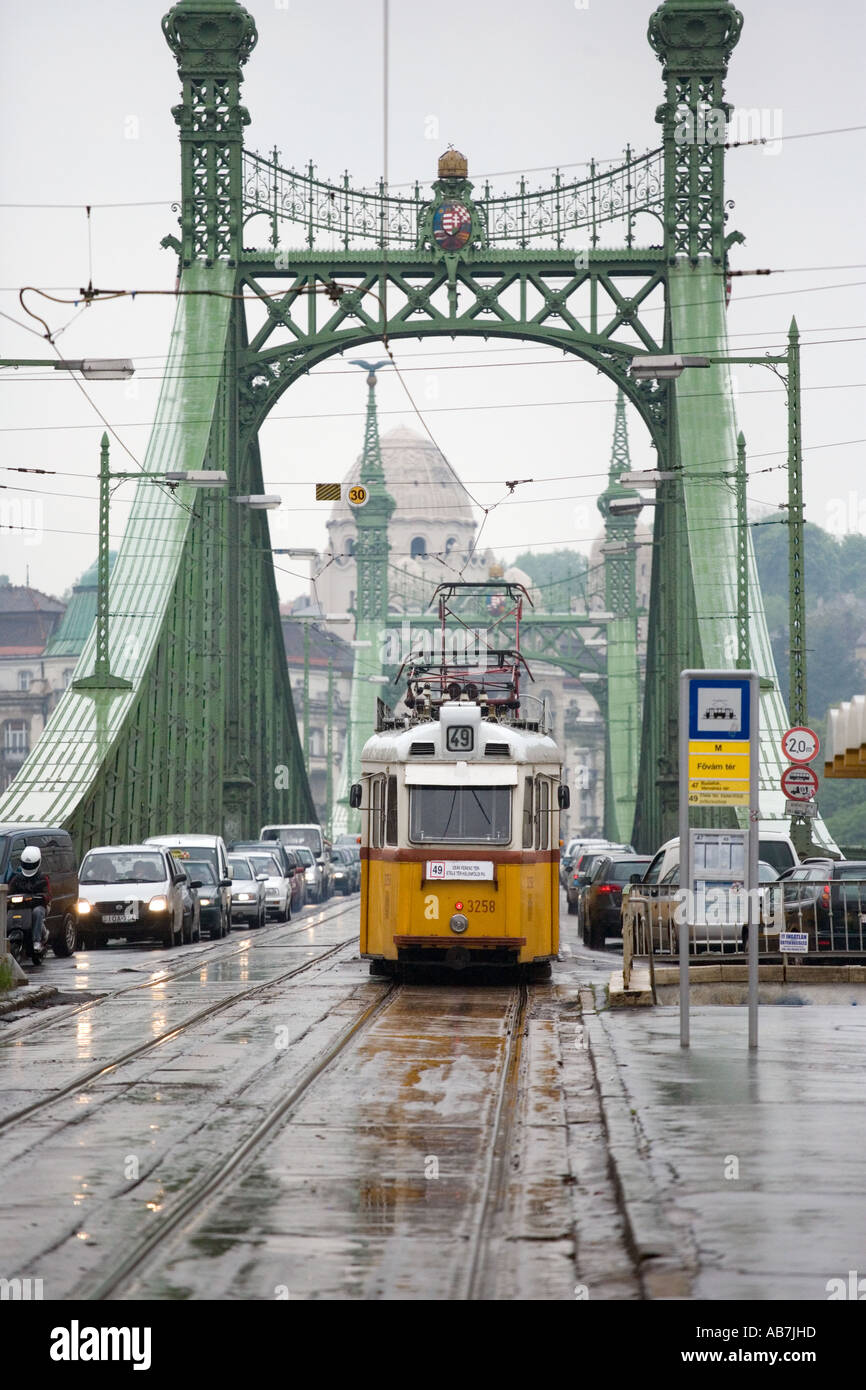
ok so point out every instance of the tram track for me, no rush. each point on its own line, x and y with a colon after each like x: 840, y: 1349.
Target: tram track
x: 496, y: 1168
x: 88, y: 1077
x: 191, y: 1204
x: 210, y: 954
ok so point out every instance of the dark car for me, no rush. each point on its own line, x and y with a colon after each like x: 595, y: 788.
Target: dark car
x: 347, y: 871
x: 602, y: 899
x: 211, y: 916
x: 582, y: 866
x: 826, y: 899
x: 59, y: 864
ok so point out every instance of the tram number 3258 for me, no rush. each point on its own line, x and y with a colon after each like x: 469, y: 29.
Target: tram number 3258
x: 479, y: 905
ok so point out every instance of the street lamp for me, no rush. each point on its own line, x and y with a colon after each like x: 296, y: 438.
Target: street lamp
x: 629, y: 506
x: 664, y: 366
x: 91, y: 368
x: 260, y: 501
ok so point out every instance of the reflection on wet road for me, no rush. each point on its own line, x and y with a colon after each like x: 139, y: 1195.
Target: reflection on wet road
x: 264, y: 1120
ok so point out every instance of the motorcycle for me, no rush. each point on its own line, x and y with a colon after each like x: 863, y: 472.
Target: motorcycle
x: 19, y: 929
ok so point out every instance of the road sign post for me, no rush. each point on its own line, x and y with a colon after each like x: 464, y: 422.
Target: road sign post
x: 719, y: 761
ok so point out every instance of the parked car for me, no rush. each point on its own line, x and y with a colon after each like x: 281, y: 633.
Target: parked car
x: 211, y: 917
x: 656, y: 908
x: 827, y: 900
x: 248, y: 892
x: 774, y: 848
x: 602, y: 900
x: 347, y: 871
x: 278, y: 888
x: 60, y: 864
x: 209, y: 847
x: 130, y: 891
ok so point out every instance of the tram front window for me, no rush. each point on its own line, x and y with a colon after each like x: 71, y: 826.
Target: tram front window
x: 464, y: 815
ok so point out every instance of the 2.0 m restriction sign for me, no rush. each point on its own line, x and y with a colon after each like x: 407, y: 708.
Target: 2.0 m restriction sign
x: 800, y: 745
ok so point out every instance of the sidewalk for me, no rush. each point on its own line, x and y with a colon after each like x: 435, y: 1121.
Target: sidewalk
x: 759, y: 1160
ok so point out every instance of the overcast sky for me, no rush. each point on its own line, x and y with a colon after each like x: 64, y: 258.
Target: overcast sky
x: 86, y: 91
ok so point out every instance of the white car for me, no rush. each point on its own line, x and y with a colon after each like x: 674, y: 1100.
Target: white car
x: 278, y: 889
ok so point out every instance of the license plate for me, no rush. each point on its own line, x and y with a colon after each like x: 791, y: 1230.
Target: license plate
x: 117, y: 917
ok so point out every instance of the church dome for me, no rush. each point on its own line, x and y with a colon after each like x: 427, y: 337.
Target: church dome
x: 419, y: 478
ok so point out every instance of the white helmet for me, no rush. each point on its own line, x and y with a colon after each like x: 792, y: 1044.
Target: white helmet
x: 31, y: 859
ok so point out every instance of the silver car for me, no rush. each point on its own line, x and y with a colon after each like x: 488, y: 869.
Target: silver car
x: 278, y: 888
x: 314, y: 875
x: 249, y: 903
x: 130, y: 891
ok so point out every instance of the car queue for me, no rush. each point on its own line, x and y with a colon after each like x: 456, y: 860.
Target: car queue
x: 169, y: 889
x: 820, y: 899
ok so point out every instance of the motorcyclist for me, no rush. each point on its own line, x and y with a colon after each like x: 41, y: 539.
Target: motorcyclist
x: 30, y: 881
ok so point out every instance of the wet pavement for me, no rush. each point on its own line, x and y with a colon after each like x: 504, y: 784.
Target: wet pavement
x: 259, y: 1118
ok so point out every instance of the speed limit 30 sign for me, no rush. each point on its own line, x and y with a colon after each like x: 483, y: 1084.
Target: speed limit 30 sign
x: 800, y: 745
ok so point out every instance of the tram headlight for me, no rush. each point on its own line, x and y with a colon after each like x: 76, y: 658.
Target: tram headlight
x: 459, y: 922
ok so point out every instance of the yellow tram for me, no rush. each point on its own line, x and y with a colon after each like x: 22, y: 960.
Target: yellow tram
x: 460, y: 799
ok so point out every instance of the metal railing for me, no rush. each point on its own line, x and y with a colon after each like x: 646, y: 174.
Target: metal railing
x: 618, y: 192
x: 831, y: 916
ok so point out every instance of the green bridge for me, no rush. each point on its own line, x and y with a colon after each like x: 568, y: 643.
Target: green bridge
x: 181, y: 714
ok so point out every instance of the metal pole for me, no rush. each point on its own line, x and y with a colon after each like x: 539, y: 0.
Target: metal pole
x: 752, y: 895
x: 742, y: 559
x: 801, y: 830
x: 307, y: 695
x: 329, y: 786
x: 102, y: 679
x: 685, y: 859
x: 102, y: 667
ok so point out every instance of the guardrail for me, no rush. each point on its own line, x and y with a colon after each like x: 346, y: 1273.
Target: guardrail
x: 830, y: 914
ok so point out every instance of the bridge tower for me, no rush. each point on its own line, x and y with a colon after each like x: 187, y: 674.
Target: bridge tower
x: 693, y: 40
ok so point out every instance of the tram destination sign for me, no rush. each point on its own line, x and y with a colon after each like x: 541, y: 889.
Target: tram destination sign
x: 455, y: 870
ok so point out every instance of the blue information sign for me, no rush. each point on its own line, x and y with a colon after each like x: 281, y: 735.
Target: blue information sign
x: 718, y: 709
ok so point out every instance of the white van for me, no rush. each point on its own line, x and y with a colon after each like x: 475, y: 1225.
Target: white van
x: 774, y: 847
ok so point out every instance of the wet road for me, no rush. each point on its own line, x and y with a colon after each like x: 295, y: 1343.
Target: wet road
x: 258, y: 1118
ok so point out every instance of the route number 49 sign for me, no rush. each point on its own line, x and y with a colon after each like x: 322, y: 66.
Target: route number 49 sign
x: 800, y: 745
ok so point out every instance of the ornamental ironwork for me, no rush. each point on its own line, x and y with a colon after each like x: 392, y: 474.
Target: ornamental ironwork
x: 618, y: 191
